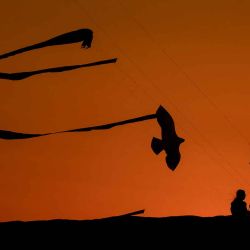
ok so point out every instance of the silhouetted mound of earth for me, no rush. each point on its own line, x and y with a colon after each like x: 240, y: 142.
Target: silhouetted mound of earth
x: 130, y: 231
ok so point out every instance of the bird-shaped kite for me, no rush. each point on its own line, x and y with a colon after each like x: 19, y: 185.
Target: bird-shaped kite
x: 170, y: 141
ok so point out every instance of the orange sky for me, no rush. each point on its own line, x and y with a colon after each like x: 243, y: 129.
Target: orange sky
x: 192, y: 57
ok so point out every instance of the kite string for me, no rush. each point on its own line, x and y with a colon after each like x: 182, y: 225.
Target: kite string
x: 158, y: 90
x: 190, y: 81
x: 149, y: 94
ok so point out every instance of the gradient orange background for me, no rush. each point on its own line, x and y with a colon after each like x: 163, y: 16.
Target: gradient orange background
x: 192, y: 57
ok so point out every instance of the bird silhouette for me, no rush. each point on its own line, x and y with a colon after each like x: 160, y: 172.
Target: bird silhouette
x: 170, y: 141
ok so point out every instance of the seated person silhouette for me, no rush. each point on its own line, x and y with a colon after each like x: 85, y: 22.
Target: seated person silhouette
x: 238, y: 205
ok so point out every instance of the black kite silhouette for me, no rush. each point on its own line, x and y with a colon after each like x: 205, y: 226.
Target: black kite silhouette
x: 82, y: 35
x: 23, y: 75
x: 170, y: 142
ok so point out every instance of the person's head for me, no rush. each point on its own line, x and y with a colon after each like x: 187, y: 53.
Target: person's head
x: 241, y: 194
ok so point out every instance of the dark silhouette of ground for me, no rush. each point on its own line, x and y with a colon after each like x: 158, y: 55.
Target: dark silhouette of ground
x: 130, y: 232
x: 82, y: 35
x: 23, y: 75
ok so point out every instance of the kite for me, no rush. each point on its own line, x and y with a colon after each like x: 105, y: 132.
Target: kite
x: 82, y: 35
x: 170, y: 141
x: 23, y: 75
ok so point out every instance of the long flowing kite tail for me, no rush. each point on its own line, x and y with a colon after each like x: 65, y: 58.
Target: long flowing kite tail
x: 23, y: 50
x: 156, y: 145
x: 11, y: 135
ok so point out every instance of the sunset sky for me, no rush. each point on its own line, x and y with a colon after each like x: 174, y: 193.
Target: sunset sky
x: 190, y: 56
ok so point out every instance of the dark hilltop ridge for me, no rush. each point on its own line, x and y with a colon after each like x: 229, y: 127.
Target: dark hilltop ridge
x: 130, y: 231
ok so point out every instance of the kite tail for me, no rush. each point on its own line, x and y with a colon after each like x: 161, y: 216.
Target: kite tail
x: 25, y: 49
x: 156, y: 145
